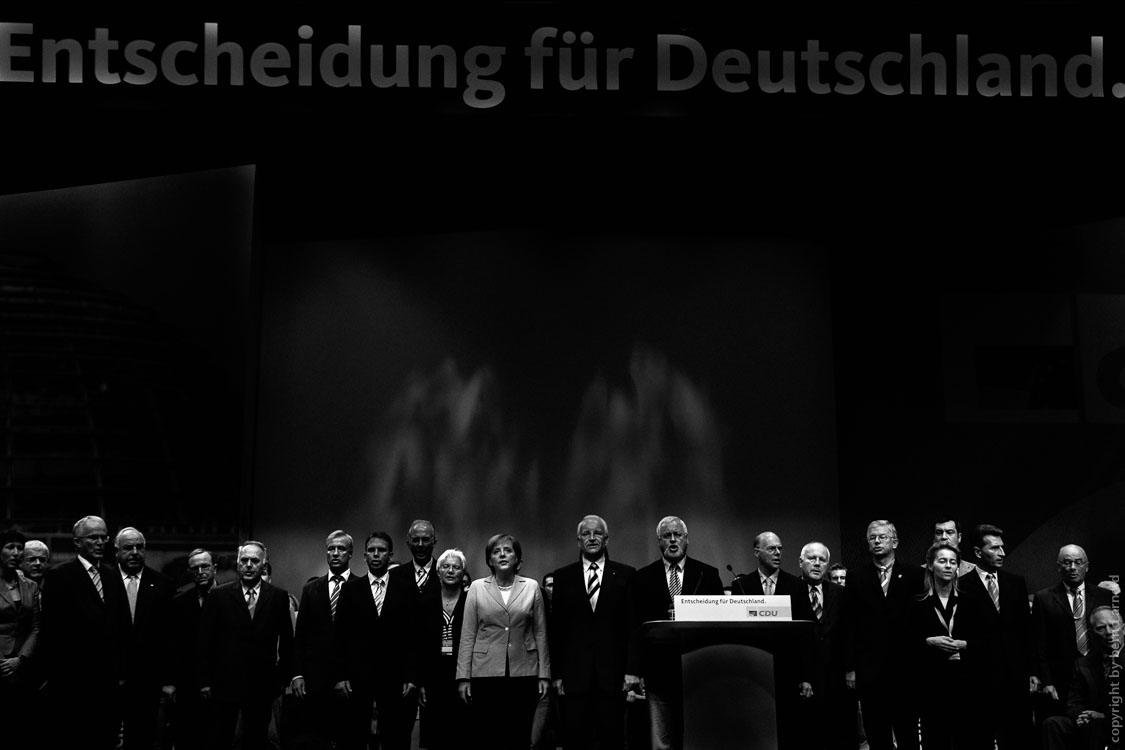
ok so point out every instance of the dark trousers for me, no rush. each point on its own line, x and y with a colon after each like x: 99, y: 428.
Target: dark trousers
x: 191, y: 720
x: 89, y: 715
x: 140, y: 714
x: 1063, y: 733
x: 502, y: 711
x: 252, y: 715
x: 314, y: 723
x: 827, y: 721
x: 395, y: 719
x: 593, y: 720
x: 889, y: 708
x: 445, y: 720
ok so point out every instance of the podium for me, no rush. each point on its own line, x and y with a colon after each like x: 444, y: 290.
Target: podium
x: 738, y: 679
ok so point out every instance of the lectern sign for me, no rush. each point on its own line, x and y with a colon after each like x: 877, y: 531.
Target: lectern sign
x: 713, y: 608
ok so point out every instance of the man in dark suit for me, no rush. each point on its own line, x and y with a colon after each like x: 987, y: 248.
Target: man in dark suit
x: 1092, y: 719
x: 1059, y: 629
x: 830, y: 715
x: 190, y: 720
x: 422, y: 571
x: 589, y: 635
x: 877, y: 602
x: 320, y: 723
x: 244, y: 652
x: 146, y: 640
x: 1002, y: 597
x: 374, y: 652
x: 769, y: 578
x: 82, y: 612
x: 658, y: 673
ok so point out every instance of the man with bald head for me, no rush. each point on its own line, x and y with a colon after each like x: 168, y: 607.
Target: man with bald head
x: 190, y: 720
x: 1059, y: 629
x: 83, y: 604
x: 769, y: 578
x: 589, y: 633
x: 146, y: 640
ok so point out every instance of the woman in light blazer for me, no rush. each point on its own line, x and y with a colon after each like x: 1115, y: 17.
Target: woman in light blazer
x: 503, y: 666
x: 19, y: 637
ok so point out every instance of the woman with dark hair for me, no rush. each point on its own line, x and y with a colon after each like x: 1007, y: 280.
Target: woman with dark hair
x: 444, y: 716
x: 947, y: 632
x: 19, y: 636
x: 503, y: 667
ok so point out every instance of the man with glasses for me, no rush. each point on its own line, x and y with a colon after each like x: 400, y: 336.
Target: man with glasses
x: 878, y: 653
x: 769, y: 578
x: 1059, y: 628
x: 654, y: 585
x: 33, y: 561
x: 589, y: 633
x: 83, y: 607
x: 189, y: 720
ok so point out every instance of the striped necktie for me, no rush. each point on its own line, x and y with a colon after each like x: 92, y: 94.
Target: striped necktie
x: 334, y: 597
x: 423, y: 576
x: 884, y: 577
x: 250, y: 605
x: 816, y: 608
x: 767, y: 586
x: 993, y: 591
x: 96, y: 576
x: 674, y: 581
x: 1080, y: 623
x: 593, y: 585
x: 380, y: 592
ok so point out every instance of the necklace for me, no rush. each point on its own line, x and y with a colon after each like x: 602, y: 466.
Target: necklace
x: 505, y: 588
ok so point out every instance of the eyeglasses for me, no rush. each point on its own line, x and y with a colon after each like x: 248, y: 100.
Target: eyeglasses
x: 773, y: 548
x: 1073, y: 564
x: 201, y: 566
x: 878, y: 537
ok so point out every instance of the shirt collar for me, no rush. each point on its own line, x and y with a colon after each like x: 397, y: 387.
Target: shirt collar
x: 586, y: 563
x: 680, y: 565
x: 125, y: 576
x: 771, y: 576
x: 345, y: 575
x: 384, y: 578
x: 256, y: 587
x: 86, y: 563
x: 984, y: 574
x: 418, y: 567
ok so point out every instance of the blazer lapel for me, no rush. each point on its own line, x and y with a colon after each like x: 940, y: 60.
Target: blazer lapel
x: 494, y: 591
x: 7, y: 597
x: 1059, y: 593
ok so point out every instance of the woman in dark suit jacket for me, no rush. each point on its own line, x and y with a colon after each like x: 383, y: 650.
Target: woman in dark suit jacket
x: 503, y: 667
x: 444, y: 715
x: 946, y: 632
x: 19, y: 637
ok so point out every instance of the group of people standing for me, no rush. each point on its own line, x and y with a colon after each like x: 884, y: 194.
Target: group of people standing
x: 947, y: 654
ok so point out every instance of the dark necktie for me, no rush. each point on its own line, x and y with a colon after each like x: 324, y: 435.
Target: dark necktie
x: 592, y: 585
x: 250, y: 602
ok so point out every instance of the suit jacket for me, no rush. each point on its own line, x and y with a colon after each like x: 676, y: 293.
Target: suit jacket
x: 313, y: 639
x: 1053, y: 635
x: 877, y: 627
x: 434, y: 666
x: 589, y: 647
x: 649, y: 600
x: 405, y: 574
x: 73, y: 614
x: 828, y: 657
x: 243, y: 659
x: 376, y: 651
x: 1090, y: 690
x: 1007, y: 632
x: 968, y: 626
x: 146, y: 638
x: 19, y: 624
x: 187, y: 618
x: 495, y: 633
x: 789, y: 585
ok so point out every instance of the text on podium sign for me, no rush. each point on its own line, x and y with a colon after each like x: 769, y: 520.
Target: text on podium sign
x: 732, y: 608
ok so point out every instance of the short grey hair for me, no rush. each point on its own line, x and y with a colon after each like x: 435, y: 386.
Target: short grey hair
x: 667, y: 520
x: 340, y: 534
x: 34, y: 545
x: 85, y: 521
x: 126, y: 530
x: 827, y: 552
x: 888, y: 524
x: 264, y: 548
x: 592, y: 517
x: 454, y: 552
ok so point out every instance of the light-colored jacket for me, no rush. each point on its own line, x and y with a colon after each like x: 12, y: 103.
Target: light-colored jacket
x: 494, y: 634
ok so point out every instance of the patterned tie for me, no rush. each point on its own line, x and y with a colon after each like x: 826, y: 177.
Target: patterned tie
x: 1080, y: 623
x: 97, y: 582
x: 592, y: 586
x: 816, y: 608
x: 674, y: 581
x: 993, y: 591
x: 380, y: 591
x: 423, y: 576
x: 337, y: 582
x: 884, y: 577
x: 131, y: 590
x: 767, y: 586
x: 250, y: 603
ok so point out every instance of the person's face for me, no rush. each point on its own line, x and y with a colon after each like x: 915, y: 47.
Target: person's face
x: 202, y: 570
x: 673, y: 540
x: 251, y: 558
x: 814, y: 563
x: 421, y: 540
x: 451, y: 572
x: 839, y: 576
x: 34, y: 563
x: 1072, y: 566
x: 10, y: 555
x: 592, y: 537
x: 992, y: 553
x: 377, y: 555
x: 91, y: 540
x: 503, y: 558
x: 881, y: 541
x: 946, y: 533
x: 339, y: 555
x: 1107, y: 628
x: 768, y: 552
x: 131, y: 552
x: 549, y: 587
x: 944, y: 566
